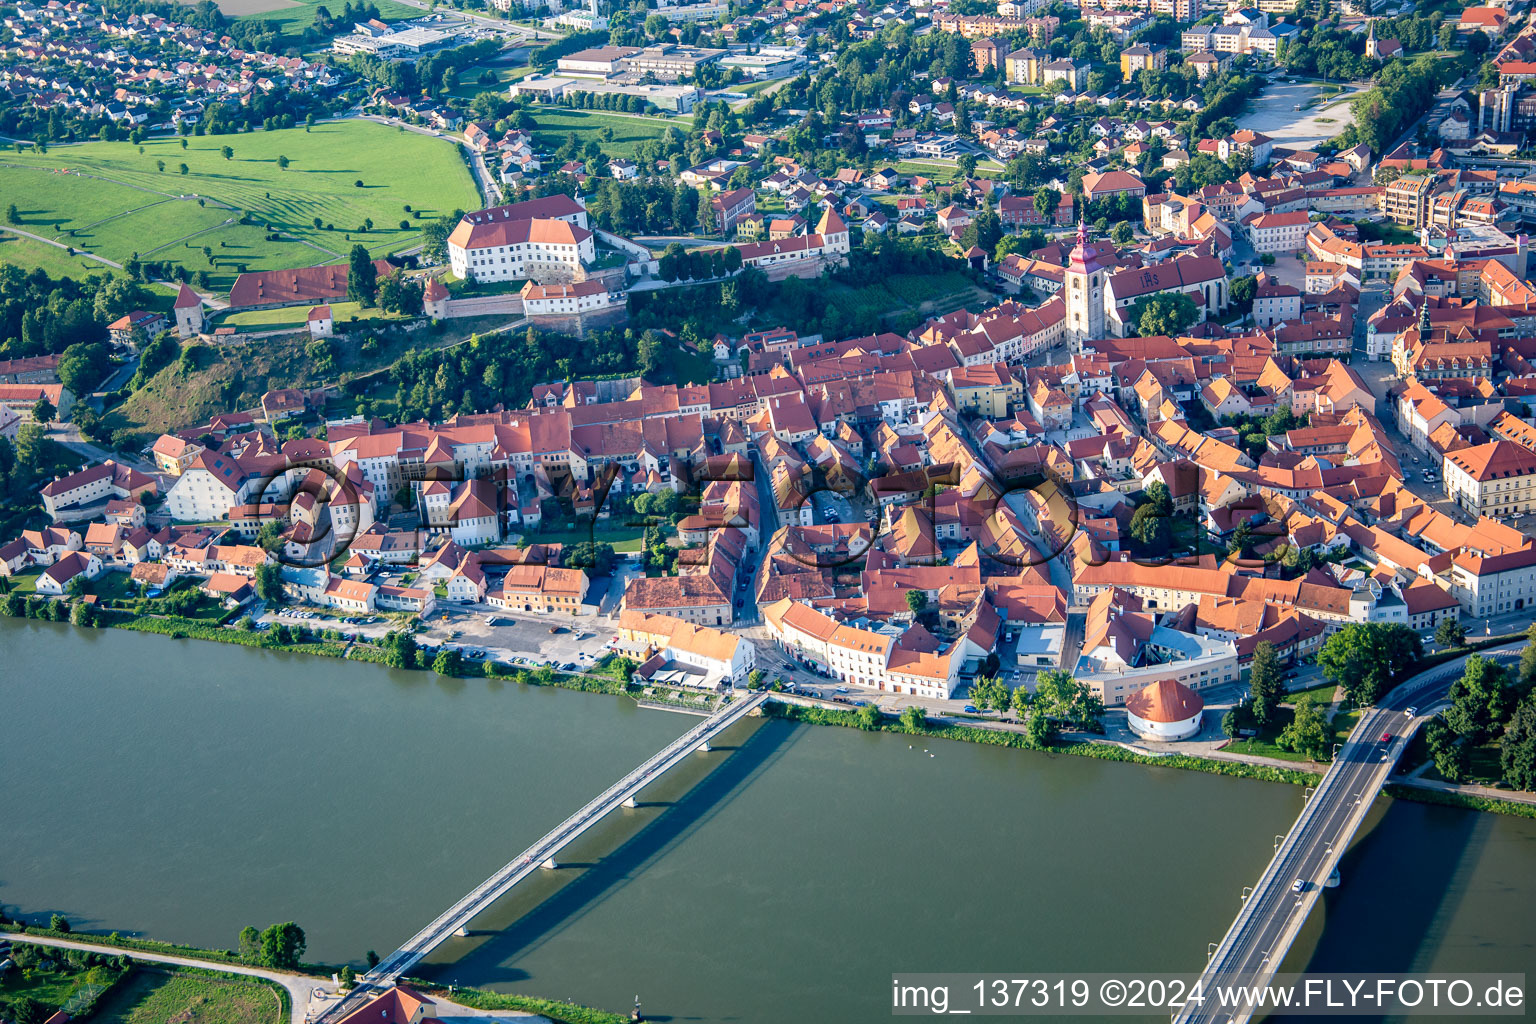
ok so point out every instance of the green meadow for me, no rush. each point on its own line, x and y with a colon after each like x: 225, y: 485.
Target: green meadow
x: 110, y: 199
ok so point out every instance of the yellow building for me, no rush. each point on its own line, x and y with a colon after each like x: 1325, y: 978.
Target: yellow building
x: 1142, y: 58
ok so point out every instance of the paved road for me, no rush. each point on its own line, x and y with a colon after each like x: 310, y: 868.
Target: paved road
x: 299, y: 986
x: 1273, y: 913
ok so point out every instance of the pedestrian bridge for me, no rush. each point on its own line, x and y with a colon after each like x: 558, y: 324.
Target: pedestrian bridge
x: 541, y: 855
x: 1273, y: 912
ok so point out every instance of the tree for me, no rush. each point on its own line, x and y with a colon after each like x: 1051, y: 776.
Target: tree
x: 83, y: 365
x: 43, y: 411
x: 1148, y: 526
x: 914, y: 720
x: 1528, y: 663
x: 27, y: 1010
x: 917, y: 601
x: 1517, y: 749
x: 1364, y: 656
x: 990, y: 692
x: 1242, y: 291
x: 58, y: 923
x: 1447, y: 750
x: 1478, y: 700
x: 449, y: 662
x: 1039, y: 731
x: 1266, y: 682
x: 227, y: 152
x: 1122, y: 233
x: 400, y: 649
x: 1451, y: 633
x: 1307, y: 734
x: 1164, y: 314
x: 868, y: 717
x: 183, y: 168
x: 12, y: 215
x: 250, y: 944
x: 282, y: 946
x: 270, y: 536
x: 1237, y: 719
x: 347, y: 978
x: 282, y: 162
x: 362, y: 284
x: 269, y: 582
x: 1047, y: 199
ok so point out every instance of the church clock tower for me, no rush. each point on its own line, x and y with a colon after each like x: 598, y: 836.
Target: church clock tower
x: 1083, y: 284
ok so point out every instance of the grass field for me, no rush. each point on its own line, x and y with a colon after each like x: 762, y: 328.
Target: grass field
x: 629, y: 130
x: 296, y: 317
x: 1263, y: 745
x: 153, y: 997
x: 109, y: 199
x: 927, y: 294
x: 28, y: 252
x: 470, y: 85
x: 604, y: 531
x: 946, y: 170
x: 297, y: 15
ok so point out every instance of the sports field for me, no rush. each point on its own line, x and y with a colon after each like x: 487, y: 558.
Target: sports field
x: 110, y: 199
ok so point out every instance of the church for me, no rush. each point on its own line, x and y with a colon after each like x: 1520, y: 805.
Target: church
x: 1099, y: 297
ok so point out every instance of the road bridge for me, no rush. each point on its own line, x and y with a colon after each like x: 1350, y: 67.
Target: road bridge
x: 1272, y: 914
x: 541, y: 855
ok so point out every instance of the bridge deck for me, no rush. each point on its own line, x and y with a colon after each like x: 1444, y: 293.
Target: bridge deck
x: 530, y: 860
x: 1255, y: 945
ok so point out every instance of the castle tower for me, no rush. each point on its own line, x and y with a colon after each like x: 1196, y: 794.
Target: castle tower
x: 434, y: 299
x: 1083, y: 286
x: 189, y: 312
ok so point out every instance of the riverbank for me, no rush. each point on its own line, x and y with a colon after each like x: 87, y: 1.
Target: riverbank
x: 1101, y: 749
x: 554, y: 1010
x: 1424, y: 794
x: 296, y: 989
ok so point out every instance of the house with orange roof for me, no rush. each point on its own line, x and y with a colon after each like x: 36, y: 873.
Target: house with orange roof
x: 541, y: 588
x: 682, y: 653
x: 1496, y: 479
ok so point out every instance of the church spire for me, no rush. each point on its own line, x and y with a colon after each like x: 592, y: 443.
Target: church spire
x: 1424, y: 319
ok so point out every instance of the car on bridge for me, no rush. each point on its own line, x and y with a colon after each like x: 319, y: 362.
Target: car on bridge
x: 1386, y: 737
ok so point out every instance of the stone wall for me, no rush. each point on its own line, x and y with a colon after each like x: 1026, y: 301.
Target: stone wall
x: 579, y: 323
x: 507, y: 304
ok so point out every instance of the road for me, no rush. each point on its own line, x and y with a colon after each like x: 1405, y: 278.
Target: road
x: 299, y: 986
x: 1256, y: 944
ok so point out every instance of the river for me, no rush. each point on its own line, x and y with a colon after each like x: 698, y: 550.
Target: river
x: 182, y: 790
